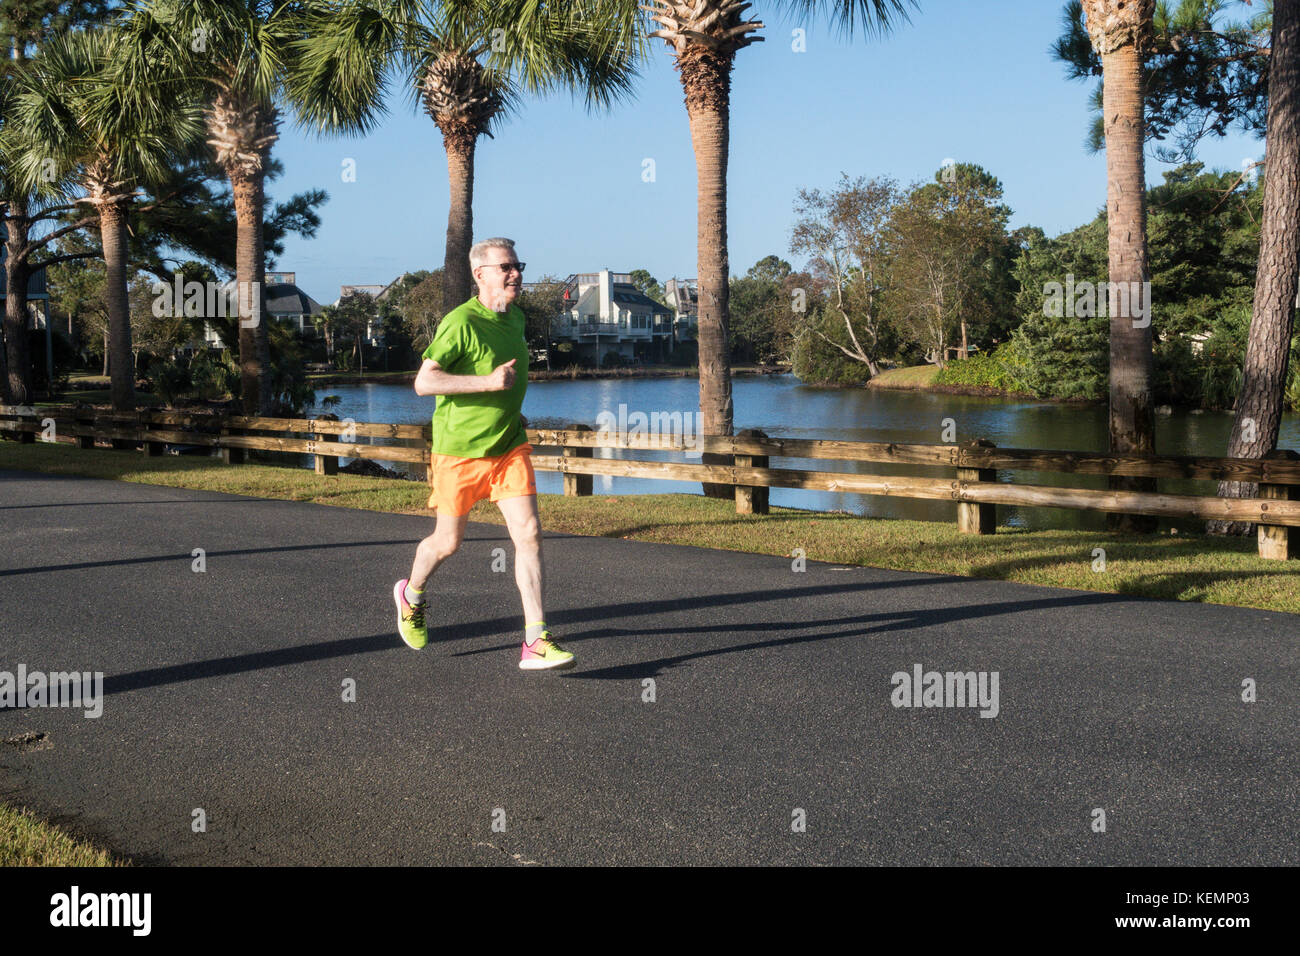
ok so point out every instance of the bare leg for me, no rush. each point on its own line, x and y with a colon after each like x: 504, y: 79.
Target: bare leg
x: 526, y: 532
x: 437, y: 548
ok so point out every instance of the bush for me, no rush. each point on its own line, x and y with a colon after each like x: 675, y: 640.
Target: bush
x: 1217, y: 374
x: 214, y: 375
x: 168, y: 380
x: 817, y: 362
x: 686, y: 354
x: 1177, y: 373
x: 995, y: 370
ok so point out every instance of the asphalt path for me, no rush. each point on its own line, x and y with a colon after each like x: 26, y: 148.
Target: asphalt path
x: 726, y: 708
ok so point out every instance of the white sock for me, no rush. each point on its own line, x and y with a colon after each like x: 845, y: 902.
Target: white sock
x: 413, y: 596
x: 533, y: 631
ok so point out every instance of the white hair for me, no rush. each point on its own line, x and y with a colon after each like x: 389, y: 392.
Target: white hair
x: 478, y: 251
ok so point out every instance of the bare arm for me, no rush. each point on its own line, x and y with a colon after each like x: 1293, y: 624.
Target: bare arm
x: 432, y: 380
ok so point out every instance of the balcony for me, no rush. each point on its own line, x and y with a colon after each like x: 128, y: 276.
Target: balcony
x: 598, y: 328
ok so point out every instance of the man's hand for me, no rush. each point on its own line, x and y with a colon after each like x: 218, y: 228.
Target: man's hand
x: 500, y: 378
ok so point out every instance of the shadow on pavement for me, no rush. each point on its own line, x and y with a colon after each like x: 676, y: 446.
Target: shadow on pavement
x: 187, y: 556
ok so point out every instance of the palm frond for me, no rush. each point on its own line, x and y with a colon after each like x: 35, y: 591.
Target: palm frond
x: 871, y: 17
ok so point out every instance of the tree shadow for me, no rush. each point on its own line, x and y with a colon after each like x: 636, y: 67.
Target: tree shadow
x: 101, y: 504
x: 242, y: 663
x: 187, y: 556
x: 906, y: 620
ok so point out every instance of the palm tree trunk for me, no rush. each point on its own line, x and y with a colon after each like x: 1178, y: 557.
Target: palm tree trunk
x: 18, y: 381
x: 250, y: 275
x: 112, y: 231
x: 1259, y: 406
x: 457, y: 284
x: 1132, y: 418
x: 706, y: 78
x: 4, y: 367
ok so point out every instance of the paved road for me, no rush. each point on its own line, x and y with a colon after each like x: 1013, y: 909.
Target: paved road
x: 224, y: 691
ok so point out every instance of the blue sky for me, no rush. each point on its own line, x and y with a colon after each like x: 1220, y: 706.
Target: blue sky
x: 961, y: 81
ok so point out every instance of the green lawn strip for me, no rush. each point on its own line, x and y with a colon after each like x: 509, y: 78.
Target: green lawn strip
x: 26, y: 840
x: 95, y: 396
x: 1188, y: 567
x: 915, y: 376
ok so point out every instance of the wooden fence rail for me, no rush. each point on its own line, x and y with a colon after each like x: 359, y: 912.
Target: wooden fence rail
x: 972, y: 484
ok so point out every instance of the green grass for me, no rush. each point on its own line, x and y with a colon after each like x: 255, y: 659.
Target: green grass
x: 95, y: 396
x: 1185, y: 567
x: 915, y: 376
x: 25, y: 840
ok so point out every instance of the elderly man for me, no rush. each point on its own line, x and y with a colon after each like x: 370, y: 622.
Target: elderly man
x: 477, y: 364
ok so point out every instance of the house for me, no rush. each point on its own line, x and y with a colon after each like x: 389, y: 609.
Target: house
x: 284, y: 302
x: 684, y: 297
x: 604, y: 312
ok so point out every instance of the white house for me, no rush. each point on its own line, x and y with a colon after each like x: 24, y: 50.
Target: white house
x: 604, y: 312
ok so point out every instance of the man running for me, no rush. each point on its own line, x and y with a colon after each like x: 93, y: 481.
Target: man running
x: 477, y: 364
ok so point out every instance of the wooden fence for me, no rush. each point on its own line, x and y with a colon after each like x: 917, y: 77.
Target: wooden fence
x: 740, y: 461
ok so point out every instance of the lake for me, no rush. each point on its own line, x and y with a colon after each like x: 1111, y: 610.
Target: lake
x: 783, y: 407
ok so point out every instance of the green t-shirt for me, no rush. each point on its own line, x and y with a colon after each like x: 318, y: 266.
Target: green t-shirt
x: 473, y: 340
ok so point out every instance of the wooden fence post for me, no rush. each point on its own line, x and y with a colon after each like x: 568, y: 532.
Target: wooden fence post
x: 751, y: 499
x: 152, y: 449
x: 325, y: 464
x: 975, y: 517
x: 1278, y: 542
x: 231, y: 456
x: 121, y: 444
x: 85, y: 421
x: 577, y: 485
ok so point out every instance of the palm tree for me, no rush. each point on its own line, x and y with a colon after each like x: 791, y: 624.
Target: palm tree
x: 239, y: 54
x: 24, y: 24
x: 81, y: 131
x: 471, y: 62
x: 704, y: 37
x: 1121, y: 31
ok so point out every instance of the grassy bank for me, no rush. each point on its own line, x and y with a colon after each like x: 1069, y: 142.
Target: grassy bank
x: 912, y: 377
x: 26, y: 840
x: 971, y: 377
x: 1186, y: 567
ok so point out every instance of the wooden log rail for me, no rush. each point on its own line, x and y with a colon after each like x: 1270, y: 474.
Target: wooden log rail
x: 973, y: 485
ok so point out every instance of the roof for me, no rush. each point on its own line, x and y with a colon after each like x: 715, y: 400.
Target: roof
x: 285, y: 298
x: 631, y: 296
x: 282, y: 298
x: 588, y: 302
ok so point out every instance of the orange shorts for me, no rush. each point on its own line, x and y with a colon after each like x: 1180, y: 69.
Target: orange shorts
x: 459, y: 483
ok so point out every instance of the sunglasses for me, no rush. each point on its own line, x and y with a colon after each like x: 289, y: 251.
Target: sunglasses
x: 506, y: 267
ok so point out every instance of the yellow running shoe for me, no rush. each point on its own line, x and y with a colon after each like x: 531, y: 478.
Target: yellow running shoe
x: 544, y: 654
x: 410, y: 618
